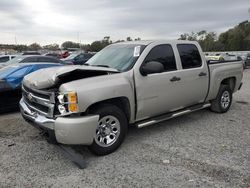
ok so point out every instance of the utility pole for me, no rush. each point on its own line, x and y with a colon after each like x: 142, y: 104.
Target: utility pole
x: 15, y: 40
x: 249, y: 13
x: 78, y: 37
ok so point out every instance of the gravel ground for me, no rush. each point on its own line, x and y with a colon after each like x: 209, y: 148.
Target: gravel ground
x: 202, y: 149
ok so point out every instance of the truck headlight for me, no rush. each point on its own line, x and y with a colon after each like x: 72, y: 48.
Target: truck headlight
x: 68, y: 103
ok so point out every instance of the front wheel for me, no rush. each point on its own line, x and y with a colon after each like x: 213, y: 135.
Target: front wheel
x: 111, y: 129
x: 223, y: 100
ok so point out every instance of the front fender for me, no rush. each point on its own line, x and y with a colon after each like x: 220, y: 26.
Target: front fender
x: 96, y: 89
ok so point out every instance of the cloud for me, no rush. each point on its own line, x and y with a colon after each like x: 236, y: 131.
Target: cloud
x: 50, y: 21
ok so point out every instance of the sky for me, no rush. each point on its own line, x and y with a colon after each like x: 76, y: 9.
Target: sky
x: 56, y: 21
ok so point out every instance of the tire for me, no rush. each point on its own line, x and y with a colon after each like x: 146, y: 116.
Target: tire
x: 111, y: 129
x: 223, y: 100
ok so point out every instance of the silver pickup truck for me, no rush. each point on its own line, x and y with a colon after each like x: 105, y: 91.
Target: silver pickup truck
x: 133, y: 83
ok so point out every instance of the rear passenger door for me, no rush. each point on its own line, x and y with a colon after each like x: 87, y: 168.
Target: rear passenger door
x: 194, y: 75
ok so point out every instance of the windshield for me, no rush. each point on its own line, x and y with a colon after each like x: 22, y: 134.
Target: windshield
x: 15, y: 60
x: 119, y: 56
x: 71, y: 56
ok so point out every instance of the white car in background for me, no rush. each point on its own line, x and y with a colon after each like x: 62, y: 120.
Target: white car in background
x: 5, y: 58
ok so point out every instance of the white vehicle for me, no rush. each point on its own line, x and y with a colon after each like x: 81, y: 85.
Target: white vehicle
x: 136, y: 83
x: 5, y: 58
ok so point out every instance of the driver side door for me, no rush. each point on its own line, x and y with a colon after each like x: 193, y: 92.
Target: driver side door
x: 159, y: 93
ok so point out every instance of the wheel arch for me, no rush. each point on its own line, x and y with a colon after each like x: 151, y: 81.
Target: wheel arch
x: 120, y: 102
x: 231, y: 81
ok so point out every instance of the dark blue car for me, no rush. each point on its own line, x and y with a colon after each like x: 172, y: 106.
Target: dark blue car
x: 11, y: 78
x: 77, y: 58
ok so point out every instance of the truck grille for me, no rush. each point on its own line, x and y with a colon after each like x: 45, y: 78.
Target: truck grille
x: 42, y: 102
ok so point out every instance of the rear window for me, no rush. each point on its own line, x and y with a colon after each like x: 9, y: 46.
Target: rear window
x: 48, y: 60
x: 29, y: 60
x: 190, y: 56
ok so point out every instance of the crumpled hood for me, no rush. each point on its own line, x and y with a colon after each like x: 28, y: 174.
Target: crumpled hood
x: 49, y: 77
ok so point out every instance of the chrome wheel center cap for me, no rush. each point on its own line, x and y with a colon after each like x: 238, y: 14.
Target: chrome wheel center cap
x: 107, y: 131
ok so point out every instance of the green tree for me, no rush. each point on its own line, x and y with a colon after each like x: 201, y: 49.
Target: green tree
x: 34, y: 46
x: 129, y: 39
x: 70, y: 44
x: 51, y: 47
x: 237, y: 38
x: 186, y: 36
x: 207, y: 40
x: 86, y: 47
x: 20, y: 48
x: 96, y: 46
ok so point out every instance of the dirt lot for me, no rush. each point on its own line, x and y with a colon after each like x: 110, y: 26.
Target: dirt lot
x: 202, y: 149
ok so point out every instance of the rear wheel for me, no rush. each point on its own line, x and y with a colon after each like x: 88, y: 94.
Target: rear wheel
x: 111, y: 129
x: 223, y: 100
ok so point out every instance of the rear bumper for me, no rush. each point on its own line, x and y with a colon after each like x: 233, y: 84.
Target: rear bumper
x: 67, y: 130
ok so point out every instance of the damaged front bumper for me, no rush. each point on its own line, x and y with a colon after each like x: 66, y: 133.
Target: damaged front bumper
x: 67, y: 130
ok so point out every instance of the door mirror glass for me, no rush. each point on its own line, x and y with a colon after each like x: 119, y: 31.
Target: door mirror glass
x: 151, y: 68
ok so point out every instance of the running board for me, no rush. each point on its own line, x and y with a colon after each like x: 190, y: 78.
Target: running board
x: 165, y: 117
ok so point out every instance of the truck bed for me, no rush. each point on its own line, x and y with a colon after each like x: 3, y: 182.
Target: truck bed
x: 219, y: 70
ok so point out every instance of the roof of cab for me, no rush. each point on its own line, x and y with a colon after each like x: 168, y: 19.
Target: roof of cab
x: 147, y: 42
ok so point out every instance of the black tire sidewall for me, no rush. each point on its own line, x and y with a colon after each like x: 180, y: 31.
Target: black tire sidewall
x: 105, y: 110
x: 222, y: 90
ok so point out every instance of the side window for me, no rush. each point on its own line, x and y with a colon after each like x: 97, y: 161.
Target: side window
x: 41, y: 59
x: 54, y: 60
x: 190, y: 56
x: 163, y: 54
x: 87, y: 56
x: 79, y: 57
x: 29, y: 60
x: 47, y: 59
x: 21, y: 72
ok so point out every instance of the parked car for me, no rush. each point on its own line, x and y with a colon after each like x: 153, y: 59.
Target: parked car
x: 133, y: 83
x: 230, y: 57
x: 247, y: 61
x: 5, y: 58
x: 33, y: 59
x: 78, y: 58
x: 11, y: 80
x: 65, y: 54
x: 55, y: 55
x: 31, y: 53
x: 214, y: 58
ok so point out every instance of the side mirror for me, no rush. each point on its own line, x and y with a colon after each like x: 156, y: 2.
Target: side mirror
x: 151, y: 68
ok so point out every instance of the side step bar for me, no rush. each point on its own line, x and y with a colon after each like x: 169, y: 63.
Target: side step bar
x: 171, y: 115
